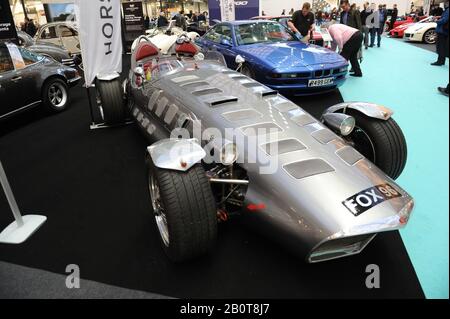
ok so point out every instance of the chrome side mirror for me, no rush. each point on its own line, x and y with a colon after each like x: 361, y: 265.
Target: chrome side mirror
x: 240, y: 59
x: 341, y: 123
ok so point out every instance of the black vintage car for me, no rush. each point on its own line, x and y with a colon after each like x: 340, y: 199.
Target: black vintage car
x: 28, y: 79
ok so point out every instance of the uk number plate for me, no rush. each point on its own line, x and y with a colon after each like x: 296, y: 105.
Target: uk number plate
x: 320, y: 82
x: 365, y: 200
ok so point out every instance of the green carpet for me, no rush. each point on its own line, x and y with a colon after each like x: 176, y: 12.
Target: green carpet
x: 398, y: 75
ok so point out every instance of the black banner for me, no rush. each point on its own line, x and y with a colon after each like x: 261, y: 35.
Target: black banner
x: 133, y: 22
x: 7, y: 27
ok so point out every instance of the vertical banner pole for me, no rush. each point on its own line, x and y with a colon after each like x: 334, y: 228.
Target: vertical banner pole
x: 10, y: 196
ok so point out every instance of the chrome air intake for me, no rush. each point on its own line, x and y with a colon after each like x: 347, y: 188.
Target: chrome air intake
x: 341, y: 247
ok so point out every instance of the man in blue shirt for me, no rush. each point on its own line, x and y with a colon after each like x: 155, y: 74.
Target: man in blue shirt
x: 442, y: 38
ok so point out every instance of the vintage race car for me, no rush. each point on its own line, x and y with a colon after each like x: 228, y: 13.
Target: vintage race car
x: 423, y: 31
x: 222, y: 145
x: 275, y: 57
x: 164, y: 38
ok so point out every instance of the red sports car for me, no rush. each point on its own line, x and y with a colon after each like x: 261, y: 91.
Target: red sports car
x: 402, y: 20
x: 399, y: 31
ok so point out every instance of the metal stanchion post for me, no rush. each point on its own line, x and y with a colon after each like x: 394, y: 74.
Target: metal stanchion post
x: 23, y: 227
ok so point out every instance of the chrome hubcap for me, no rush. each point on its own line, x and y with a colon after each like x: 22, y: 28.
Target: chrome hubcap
x: 158, y: 210
x: 57, y: 95
x: 430, y: 37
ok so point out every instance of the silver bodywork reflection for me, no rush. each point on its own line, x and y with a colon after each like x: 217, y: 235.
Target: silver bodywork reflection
x: 315, y: 171
x: 369, y: 109
x: 174, y: 154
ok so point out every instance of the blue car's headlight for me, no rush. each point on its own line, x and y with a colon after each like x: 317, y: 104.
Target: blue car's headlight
x: 344, y: 69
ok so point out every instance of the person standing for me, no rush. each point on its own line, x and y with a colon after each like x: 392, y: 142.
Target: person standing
x: 146, y: 22
x: 180, y: 20
x: 30, y: 28
x: 348, y: 40
x: 366, y: 23
x: 442, y: 37
x: 444, y: 90
x: 201, y: 17
x: 350, y: 17
x: 291, y: 12
x: 302, y: 21
x: 378, y: 28
x: 283, y: 13
x: 162, y: 20
x: 394, y: 17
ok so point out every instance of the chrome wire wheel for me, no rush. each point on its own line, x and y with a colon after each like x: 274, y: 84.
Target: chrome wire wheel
x: 158, y: 209
x: 57, y: 95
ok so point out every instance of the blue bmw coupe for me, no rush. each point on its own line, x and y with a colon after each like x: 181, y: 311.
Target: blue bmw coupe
x: 275, y: 57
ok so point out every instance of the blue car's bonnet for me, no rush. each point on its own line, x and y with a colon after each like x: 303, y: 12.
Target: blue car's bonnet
x: 292, y: 56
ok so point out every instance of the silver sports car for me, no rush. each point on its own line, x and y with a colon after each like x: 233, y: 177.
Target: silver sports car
x: 223, y: 145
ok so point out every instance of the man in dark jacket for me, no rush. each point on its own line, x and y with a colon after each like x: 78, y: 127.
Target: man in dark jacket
x: 30, y: 28
x: 442, y: 38
x: 162, y: 20
x: 349, y: 17
x: 394, y: 17
x: 366, y: 23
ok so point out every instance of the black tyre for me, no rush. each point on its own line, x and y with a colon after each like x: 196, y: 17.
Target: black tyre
x: 382, y: 142
x: 55, y: 95
x: 430, y: 36
x: 248, y: 71
x: 112, y: 103
x: 184, y: 210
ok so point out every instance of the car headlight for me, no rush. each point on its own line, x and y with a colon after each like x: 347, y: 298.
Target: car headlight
x: 341, y: 123
x: 344, y: 69
x: 228, y: 154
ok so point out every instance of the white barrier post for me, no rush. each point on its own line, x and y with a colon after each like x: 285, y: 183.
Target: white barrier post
x: 23, y: 227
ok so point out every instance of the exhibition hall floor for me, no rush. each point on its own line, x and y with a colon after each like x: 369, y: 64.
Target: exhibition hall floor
x: 399, y: 75
x: 92, y: 187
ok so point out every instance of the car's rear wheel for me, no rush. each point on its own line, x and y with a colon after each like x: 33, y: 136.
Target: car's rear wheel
x: 55, y: 95
x: 112, y: 103
x: 184, y: 210
x: 382, y: 142
x: 430, y: 36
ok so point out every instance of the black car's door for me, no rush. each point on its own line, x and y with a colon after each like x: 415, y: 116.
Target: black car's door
x: 10, y: 94
x: 30, y: 74
x: 19, y: 78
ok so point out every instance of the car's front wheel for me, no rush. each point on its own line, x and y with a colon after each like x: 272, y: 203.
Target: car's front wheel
x: 55, y: 95
x: 184, y: 210
x: 382, y: 142
x: 430, y: 36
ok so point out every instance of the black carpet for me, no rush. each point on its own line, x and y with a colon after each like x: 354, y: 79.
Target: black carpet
x: 91, y: 185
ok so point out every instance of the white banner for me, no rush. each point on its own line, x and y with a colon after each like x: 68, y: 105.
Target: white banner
x: 227, y: 10
x: 99, y: 23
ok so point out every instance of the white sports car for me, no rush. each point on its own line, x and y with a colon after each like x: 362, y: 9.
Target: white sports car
x: 423, y: 31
